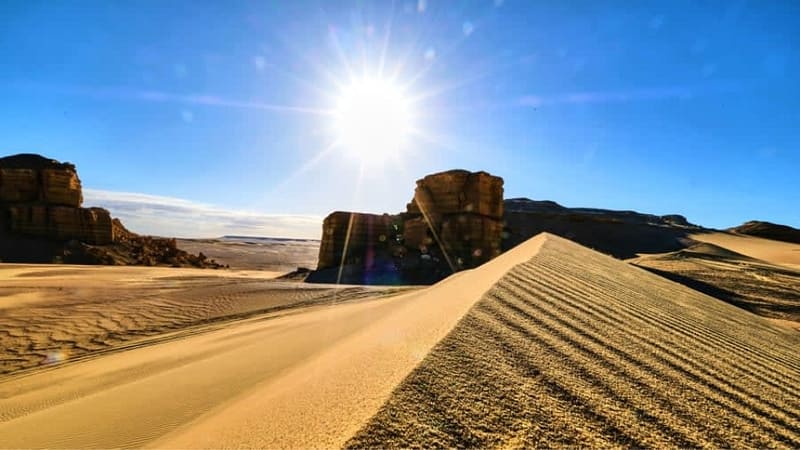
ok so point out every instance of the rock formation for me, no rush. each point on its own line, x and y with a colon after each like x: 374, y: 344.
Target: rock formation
x: 42, y: 197
x: 454, y: 222
x: 622, y: 234
x: 768, y: 230
x: 42, y: 220
x: 357, y: 238
x: 459, y: 220
x: 461, y: 212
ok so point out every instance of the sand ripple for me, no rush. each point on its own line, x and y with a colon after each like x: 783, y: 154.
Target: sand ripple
x: 575, y: 348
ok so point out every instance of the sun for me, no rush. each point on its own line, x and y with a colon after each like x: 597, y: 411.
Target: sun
x: 372, y: 120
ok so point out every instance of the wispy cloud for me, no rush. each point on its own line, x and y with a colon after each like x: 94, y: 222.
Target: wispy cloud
x: 168, y: 216
x: 120, y: 93
x: 629, y: 95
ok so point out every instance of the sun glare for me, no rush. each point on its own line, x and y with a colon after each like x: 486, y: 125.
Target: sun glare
x: 372, y: 120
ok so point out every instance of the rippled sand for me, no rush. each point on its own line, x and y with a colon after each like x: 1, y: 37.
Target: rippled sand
x: 550, y: 344
x: 574, y: 348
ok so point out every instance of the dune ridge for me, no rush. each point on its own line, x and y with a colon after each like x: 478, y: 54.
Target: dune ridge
x: 575, y: 348
x: 774, y: 252
x: 770, y: 290
x: 550, y: 344
x: 306, y: 379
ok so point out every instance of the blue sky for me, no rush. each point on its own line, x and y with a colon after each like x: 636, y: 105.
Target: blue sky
x: 207, y: 118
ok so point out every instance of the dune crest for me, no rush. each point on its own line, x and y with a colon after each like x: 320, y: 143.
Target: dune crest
x: 550, y: 344
x: 307, y: 379
x: 574, y: 348
x: 775, y: 252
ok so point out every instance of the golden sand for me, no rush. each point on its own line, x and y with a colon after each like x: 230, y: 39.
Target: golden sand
x: 550, y: 344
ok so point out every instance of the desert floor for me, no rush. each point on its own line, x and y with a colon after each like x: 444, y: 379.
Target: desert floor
x: 774, y: 252
x: 279, y: 255
x: 549, y: 344
x: 759, y: 275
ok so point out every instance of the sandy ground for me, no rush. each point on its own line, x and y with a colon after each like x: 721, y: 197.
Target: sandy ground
x: 281, y: 255
x: 775, y: 252
x: 304, y: 378
x: 577, y: 349
x: 769, y: 290
x: 55, y: 314
x: 549, y: 344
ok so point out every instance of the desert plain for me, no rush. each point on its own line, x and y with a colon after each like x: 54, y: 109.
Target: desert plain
x: 550, y: 344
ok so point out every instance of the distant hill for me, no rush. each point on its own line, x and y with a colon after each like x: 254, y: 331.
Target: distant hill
x: 622, y: 234
x: 768, y: 230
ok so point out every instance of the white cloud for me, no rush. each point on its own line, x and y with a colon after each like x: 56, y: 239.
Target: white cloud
x: 169, y: 216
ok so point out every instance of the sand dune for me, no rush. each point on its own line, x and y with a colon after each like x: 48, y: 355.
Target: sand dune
x: 775, y: 252
x: 305, y: 379
x: 769, y: 290
x: 549, y: 344
x: 575, y: 348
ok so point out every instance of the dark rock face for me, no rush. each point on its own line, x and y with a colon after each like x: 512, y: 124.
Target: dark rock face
x: 358, y: 238
x: 768, y: 230
x: 42, y: 197
x: 454, y: 222
x: 458, y: 192
x: 622, y: 234
x: 461, y: 212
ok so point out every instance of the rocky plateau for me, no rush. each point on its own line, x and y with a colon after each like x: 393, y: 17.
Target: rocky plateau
x: 42, y: 220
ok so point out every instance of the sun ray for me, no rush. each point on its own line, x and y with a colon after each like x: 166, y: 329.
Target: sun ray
x: 386, y: 37
x: 450, y: 86
x: 350, y: 224
x: 308, y: 165
x: 431, y: 139
x: 340, y: 53
x: 316, y: 67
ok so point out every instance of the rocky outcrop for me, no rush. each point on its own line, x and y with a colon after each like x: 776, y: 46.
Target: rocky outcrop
x: 90, y: 225
x: 453, y: 222
x: 459, y: 212
x: 367, y: 240
x: 459, y: 220
x: 768, y: 230
x: 458, y: 192
x: 622, y: 234
x: 29, y: 178
x: 41, y: 220
x: 42, y: 197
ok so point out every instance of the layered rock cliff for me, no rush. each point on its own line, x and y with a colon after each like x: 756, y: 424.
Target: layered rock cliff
x: 622, y: 234
x: 459, y: 220
x: 453, y: 222
x: 461, y: 212
x: 42, y: 220
x: 42, y: 197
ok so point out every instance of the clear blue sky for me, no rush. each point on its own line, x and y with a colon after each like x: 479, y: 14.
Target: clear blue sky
x: 202, y: 118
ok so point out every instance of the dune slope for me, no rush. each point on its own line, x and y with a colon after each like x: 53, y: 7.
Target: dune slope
x: 774, y: 252
x: 766, y: 289
x: 54, y: 314
x: 307, y: 378
x: 576, y: 348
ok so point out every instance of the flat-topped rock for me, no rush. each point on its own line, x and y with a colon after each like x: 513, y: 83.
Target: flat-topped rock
x: 29, y: 178
x: 356, y: 238
x: 458, y: 191
x: 42, y: 197
x: 454, y: 222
